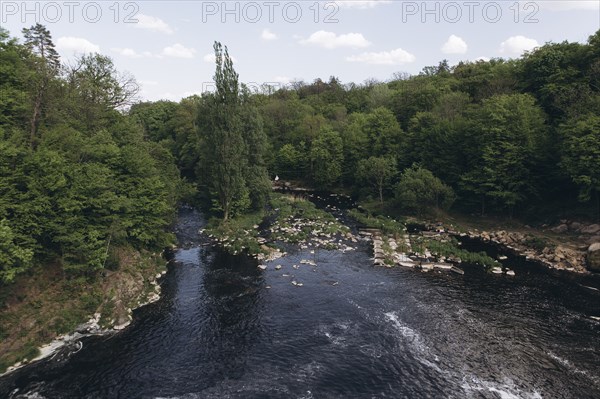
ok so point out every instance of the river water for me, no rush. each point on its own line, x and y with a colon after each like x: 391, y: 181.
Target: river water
x: 226, y: 329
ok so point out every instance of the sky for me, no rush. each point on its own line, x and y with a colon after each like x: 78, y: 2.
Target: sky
x: 167, y: 45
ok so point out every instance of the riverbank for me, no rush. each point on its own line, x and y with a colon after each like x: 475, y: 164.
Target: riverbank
x: 565, y: 246
x: 546, y: 247
x: 44, y: 312
x: 561, y: 247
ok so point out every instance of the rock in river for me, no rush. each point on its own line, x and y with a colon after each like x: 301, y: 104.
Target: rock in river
x: 593, y: 257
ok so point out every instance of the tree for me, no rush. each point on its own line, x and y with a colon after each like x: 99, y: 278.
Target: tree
x: 418, y: 190
x: 356, y: 146
x: 45, y: 62
x: 235, y: 143
x: 326, y: 154
x: 581, y: 155
x: 97, y: 88
x: 256, y: 144
x: 383, y: 132
x: 512, y: 138
x: 14, y: 259
x: 556, y: 74
x: 377, y: 171
x: 289, y: 162
x: 14, y: 77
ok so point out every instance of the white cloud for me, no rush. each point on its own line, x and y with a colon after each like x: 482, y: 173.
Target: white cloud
x: 482, y: 58
x: 70, y: 44
x: 268, y: 35
x: 131, y: 53
x: 454, y: 45
x: 517, y: 45
x: 178, y: 51
x: 211, y: 58
x: 361, y: 4
x: 331, y: 40
x: 152, y: 23
x: 558, y: 5
x: 393, y: 57
x: 126, y: 52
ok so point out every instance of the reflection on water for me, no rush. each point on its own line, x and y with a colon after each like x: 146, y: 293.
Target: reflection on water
x: 226, y: 329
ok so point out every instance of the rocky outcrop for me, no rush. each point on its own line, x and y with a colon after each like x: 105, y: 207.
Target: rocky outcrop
x: 593, y: 257
x: 560, y: 257
x: 569, y: 227
x: 591, y: 229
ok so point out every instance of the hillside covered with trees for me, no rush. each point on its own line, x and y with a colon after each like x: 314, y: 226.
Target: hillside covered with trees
x: 78, y: 177
x: 505, y: 137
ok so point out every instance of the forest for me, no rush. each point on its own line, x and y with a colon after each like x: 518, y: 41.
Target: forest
x: 87, y: 168
x: 513, y: 138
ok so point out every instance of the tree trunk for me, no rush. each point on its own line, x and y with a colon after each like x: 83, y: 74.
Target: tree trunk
x: 226, y: 212
x: 381, y: 194
x: 35, y: 118
x: 598, y: 203
x: 482, y: 205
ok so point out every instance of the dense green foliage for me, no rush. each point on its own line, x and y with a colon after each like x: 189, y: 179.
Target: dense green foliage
x: 77, y: 176
x: 80, y: 176
x: 377, y: 171
x: 418, y: 190
x: 232, y: 165
x: 508, y: 137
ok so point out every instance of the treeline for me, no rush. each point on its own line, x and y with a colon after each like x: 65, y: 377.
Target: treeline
x: 78, y: 178
x: 506, y: 137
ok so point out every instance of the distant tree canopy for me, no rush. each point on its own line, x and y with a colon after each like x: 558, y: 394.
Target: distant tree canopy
x: 504, y: 135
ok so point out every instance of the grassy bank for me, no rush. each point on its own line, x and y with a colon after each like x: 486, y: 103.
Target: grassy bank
x: 451, y: 250
x: 386, y: 224
x: 43, y: 304
x: 239, y: 234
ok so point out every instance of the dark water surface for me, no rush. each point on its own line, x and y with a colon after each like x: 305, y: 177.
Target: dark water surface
x: 226, y: 329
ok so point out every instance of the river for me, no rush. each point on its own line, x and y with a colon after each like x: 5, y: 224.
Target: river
x: 226, y: 329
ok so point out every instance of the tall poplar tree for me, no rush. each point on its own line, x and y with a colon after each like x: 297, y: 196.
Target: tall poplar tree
x: 233, y: 164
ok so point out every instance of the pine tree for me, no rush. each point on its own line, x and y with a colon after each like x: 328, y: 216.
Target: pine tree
x: 46, y: 63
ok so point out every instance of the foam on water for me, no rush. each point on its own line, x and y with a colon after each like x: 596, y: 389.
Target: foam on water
x: 573, y: 369
x: 507, y: 390
x: 414, y: 340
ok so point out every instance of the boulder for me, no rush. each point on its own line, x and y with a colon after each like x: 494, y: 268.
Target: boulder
x: 575, y: 226
x: 565, y: 253
x: 560, y: 229
x: 593, y: 240
x: 593, y: 257
x: 591, y: 229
